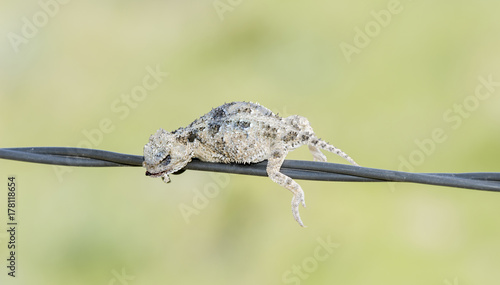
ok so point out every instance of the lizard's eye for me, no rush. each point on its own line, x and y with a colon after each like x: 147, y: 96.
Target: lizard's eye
x: 166, y: 160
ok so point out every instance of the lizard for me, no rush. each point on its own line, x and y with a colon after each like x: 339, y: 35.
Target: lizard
x: 238, y: 132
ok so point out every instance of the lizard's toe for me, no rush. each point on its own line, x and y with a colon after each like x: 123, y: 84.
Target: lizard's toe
x: 295, y: 209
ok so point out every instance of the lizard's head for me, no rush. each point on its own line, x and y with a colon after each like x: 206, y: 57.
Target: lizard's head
x: 165, y: 153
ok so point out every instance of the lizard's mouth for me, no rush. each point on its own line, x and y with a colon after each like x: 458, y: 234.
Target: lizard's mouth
x: 157, y: 174
x: 163, y: 174
x: 164, y: 163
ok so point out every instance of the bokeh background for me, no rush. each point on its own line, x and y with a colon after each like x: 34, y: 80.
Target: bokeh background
x: 377, y: 79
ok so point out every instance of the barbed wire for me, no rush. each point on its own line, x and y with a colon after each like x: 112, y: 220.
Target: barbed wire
x: 297, y: 169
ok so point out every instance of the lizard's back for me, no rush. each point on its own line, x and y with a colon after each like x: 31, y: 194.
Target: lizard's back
x: 239, y: 132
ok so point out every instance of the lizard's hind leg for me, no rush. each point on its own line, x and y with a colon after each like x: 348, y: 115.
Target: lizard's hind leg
x: 315, y: 144
x: 317, y: 154
x: 273, y: 171
x: 308, y: 137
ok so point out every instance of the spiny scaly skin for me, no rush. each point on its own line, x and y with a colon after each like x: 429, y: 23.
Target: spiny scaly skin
x: 237, y: 132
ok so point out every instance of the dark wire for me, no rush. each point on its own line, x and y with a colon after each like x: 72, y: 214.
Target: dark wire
x: 71, y: 156
x: 297, y: 169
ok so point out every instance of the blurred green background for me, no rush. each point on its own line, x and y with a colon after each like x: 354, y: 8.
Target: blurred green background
x: 395, y: 84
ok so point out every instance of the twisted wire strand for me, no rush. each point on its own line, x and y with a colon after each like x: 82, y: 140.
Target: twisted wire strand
x: 297, y: 169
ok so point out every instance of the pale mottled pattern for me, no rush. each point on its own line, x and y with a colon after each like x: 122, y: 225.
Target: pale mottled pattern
x: 237, y: 132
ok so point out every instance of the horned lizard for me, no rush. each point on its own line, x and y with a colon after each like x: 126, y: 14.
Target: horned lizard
x: 237, y: 132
